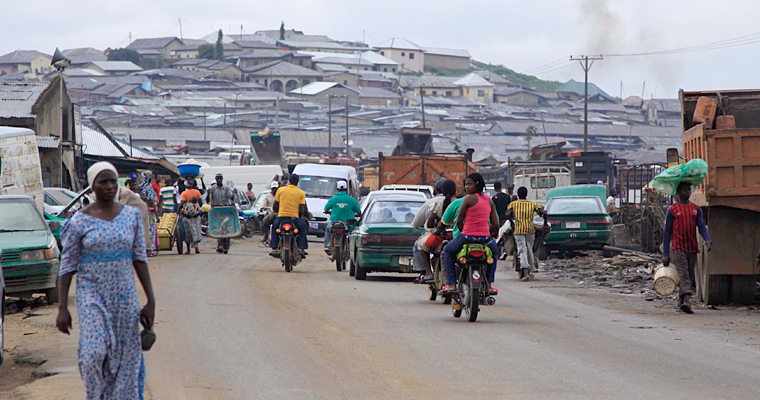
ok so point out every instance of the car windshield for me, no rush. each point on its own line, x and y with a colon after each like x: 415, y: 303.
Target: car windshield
x: 403, y: 212
x: 260, y: 199
x: 62, y: 196
x: 20, y: 215
x: 583, y: 205
x: 319, y: 186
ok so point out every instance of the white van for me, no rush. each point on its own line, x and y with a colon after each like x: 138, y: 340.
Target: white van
x: 238, y: 176
x: 20, y: 170
x: 540, y: 179
x: 320, y: 182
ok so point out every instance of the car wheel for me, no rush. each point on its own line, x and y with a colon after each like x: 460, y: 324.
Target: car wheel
x: 351, y: 269
x: 52, y: 294
x: 361, y: 273
x: 543, y: 253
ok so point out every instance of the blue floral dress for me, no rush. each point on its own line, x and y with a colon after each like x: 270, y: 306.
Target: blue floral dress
x: 101, y: 253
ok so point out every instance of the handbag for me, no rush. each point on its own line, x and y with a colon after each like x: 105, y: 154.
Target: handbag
x: 147, y: 336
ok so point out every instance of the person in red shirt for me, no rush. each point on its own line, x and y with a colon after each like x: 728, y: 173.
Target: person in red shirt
x: 681, y: 223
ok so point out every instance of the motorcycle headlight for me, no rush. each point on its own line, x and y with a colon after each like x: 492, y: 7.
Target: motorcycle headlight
x: 32, y: 255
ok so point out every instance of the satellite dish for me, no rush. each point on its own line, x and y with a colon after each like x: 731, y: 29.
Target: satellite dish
x: 60, y: 62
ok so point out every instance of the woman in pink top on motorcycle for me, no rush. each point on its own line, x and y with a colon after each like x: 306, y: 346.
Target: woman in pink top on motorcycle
x: 478, y: 222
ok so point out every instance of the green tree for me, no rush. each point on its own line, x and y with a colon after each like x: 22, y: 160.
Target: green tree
x: 219, y: 46
x: 123, y: 55
x: 529, y: 133
x: 282, y: 30
x: 207, y: 51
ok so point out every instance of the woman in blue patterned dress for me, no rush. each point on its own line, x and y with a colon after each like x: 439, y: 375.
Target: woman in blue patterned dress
x: 104, y: 245
x: 148, y: 195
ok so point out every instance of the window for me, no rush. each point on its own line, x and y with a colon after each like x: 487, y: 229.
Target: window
x: 435, y: 92
x: 300, y: 62
x: 305, y: 82
x: 481, y: 93
x: 345, y: 82
x: 385, y: 69
x: 382, y: 53
x: 448, y: 93
x: 423, y: 91
x: 543, y: 182
x: 394, y: 69
x: 403, y: 54
x: 411, y: 56
x: 265, y: 82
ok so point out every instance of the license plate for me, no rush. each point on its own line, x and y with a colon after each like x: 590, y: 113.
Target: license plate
x: 406, y: 260
x: 573, y: 225
x: 313, y: 225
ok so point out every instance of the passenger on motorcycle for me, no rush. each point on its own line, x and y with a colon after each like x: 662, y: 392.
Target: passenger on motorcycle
x: 341, y: 207
x: 478, y: 223
x: 268, y: 202
x: 290, y: 203
x: 448, y: 190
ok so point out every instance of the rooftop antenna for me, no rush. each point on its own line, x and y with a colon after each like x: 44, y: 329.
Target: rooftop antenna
x: 180, y: 30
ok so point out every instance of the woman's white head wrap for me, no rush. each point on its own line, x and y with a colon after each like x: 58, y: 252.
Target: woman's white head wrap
x: 97, y: 168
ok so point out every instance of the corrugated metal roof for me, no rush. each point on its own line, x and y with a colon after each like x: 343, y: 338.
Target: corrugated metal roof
x: 17, y: 98
x: 22, y: 57
x: 314, y: 88
x: 216, y: 135
x: 448, y: 52
x: 97, y: 144
x: 47, y: 142
x: 117, y: 66
x: 152, y: 43
x: 473, y: 80
x: 282, y: 68
x: 399, y: 43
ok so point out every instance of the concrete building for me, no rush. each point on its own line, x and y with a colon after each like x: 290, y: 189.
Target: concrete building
x: 476, y: 88
x: 330, y: 47
x: 150, y: 50
x: 253, y: 58
x: 281, y: 76
x: 37, y: 106
x: 31, y: 61
x: 575, y: 91
x: 82, y: 56
x: 222, y: 69
x: 432, y: 85
x: 447, y: 59
x: 191, y: 50
x: 317, y: 92
x: 498, y: 80
x: 364, y: 61
x: 520, y: 97
x: 113, y: 68
x: 410, y: 56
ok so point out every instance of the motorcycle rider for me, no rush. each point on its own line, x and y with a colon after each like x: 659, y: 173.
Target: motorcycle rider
x: 290, y: 202
x: 341, y: 207
x: 478, y: 223
x: 268, y: 202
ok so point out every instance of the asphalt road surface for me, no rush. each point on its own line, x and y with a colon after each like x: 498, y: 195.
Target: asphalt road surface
x: 240, y: 327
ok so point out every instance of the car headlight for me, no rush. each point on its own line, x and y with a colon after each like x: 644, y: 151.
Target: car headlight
x: 37, y: 255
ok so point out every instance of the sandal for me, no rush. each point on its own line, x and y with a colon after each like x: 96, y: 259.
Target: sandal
x: 449, y: 289
x: 425, y: 279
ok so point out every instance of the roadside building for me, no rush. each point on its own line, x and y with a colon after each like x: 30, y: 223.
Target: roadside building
x: 281, y: 76
x: 37, y: 106
x: 408, y: 55
x: 31, y: 61
x: 113, y: 68
x: 447, y: 59
x: 476, y: 88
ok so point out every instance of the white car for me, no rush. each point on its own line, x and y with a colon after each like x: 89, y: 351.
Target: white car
x: 364, y: 202
x: 426, y: 189
x: 56, y: 199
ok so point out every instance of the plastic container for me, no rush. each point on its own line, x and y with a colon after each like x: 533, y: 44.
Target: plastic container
x: 665, y: 280
x: 189, y: 170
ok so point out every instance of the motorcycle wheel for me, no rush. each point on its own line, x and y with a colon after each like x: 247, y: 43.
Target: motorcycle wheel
x: 249, y: 229
x: 286, y: 260
x: 456, y: 313
x: 472, y: 297
x: 432, y: 293
x: 338, y: 256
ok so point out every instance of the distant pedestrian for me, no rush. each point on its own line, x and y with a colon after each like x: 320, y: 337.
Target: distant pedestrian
x: 511, y: 192
x: 520, y: 214
x: 148, y: 195
x: 682, y: 221
x: 104, y: 246
x: 249, y: 193
x: 168, y: 197
x: 501, y: 200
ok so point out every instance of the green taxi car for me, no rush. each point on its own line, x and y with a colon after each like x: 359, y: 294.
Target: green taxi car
x: 578, y: 220
x: 383, y: 239
x: 30, y: 260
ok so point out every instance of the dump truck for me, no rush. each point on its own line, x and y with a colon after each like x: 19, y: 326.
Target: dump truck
x: 723, y: 128
x: 424, y: 169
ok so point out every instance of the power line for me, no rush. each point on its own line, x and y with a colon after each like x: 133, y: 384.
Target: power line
x: 727, y: 43
x: 569, y: 64
x: 545, y: 65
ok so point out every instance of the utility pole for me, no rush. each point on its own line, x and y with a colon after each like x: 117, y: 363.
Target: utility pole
x: 234, y: 125
x: 204, y: 125
x: 329, y: 125
x: 422, y: 104
x: 348, y: 146
x: 583, y: 60
x: 180, y: 29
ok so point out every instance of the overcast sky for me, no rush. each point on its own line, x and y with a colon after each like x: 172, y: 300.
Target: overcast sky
x: 519, y: 34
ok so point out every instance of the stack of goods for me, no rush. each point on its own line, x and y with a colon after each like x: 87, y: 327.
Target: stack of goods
x: 693, y: 172
x: 165, y: 229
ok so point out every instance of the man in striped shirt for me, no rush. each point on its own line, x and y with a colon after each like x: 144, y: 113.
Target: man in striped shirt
x: 520, y: 215
x: 681, y: 223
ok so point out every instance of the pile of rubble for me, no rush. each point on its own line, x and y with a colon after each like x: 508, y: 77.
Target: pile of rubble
x: 624, y: 274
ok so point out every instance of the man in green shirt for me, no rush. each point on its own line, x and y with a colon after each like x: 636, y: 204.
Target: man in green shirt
x: 341, y: 207
x: 450, y: 216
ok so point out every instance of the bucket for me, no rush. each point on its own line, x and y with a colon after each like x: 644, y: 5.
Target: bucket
x: 189, y: 170
x: 665, y: 280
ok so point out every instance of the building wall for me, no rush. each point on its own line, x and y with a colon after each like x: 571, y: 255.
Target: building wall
x: 41, y: 66
x: 402, y: 56
x: 344, y: 79
x: 439, y: 91
x: 167, y: 51
x: 183, y: 54
x: 518, y: 99
x: 446, y: 62
x: 482, y: 94
x: 283, y: 84
x: 321, y: 98
x: 369, y: 101
x: 230, y: 73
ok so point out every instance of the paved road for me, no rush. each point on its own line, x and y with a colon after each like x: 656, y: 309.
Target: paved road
x: 239, y: 327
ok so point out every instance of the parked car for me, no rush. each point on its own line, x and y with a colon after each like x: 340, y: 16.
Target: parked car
x: 58, y: 198
x: 426, y: 189
x: 366, y: 200
x: 30, y: 260
x: 578, y: 220
x: 383, y: 239
x: 2, y: 310
x: 77, y: 203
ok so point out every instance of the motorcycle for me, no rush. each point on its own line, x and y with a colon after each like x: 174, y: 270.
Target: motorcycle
x: 339, y: 243
x: 472, y: 287
x: 288, y: 247
x: 436, y: 285
x: 246, y: 222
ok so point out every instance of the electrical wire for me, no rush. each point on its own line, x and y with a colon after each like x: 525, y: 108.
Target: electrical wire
x: 557, y: 69
x: 727, y: 43
x: 530, y: 70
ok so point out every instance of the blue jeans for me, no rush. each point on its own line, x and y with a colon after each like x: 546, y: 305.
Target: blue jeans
x: 455, y: 246
x: 417, y: 258
x: 303, y: 242
x: 328, y: 236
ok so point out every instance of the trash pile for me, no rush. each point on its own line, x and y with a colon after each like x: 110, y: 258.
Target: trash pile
x: 624, y: 274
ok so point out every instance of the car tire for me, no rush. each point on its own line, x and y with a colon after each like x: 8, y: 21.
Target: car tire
x: 361, y: 273
x: 543, y: 253
x: 52, y: 294
x: 351, y: 269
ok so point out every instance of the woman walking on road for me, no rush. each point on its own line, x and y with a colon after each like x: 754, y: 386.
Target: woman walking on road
x: 104, y: 245
x: 148, y: 195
